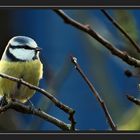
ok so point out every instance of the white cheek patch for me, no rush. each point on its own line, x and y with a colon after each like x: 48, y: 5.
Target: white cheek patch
x: 23, y: 54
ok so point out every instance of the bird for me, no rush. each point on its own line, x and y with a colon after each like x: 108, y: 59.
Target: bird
x: 21, y: 60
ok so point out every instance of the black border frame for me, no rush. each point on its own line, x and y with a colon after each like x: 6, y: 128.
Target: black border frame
x: 71, y: 136
x: 43, y: 135
x: 70, y: 3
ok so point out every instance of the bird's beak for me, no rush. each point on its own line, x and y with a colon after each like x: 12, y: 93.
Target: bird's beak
x: 38, y: 49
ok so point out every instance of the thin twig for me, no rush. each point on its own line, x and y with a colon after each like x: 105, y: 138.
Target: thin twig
x: 120, y: 28
x: 34, y: 111
x: 59, y: 104
x: 101, y: 102
x: 128, y: 73
x: 133, y: 99
x: 73, y: 122
x: 87, y: 29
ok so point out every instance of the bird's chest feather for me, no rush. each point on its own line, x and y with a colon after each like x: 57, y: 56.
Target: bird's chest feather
x: 30, y: 71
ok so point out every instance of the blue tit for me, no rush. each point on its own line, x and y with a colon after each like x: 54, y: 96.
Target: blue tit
x: 21, y: 60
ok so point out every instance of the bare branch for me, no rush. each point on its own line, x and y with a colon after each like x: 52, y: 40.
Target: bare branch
x: 87, y: 29
x: 59, y: 104
x: 120, y: 28
x: 134, y: 73
x: 133, y: 99
x: 96, y: 94
x: 37, y: 112
x: 128, y: 73
x: 72, y: 120
x: 44, y: 92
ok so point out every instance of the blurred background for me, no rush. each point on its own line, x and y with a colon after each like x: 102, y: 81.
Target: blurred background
x: 59, y: 41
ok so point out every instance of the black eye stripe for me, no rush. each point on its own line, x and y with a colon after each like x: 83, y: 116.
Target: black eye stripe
x: 19, y: 47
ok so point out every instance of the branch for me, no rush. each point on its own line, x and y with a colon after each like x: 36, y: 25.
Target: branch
x: 59, y: 104
x: 87, y: 29
x: 133, y: 99
x: 96, y: 94
x: 128, y: 73
x: 37, y: 112
x: 114, y: 22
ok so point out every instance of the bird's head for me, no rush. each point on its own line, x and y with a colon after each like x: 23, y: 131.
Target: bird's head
x: 21, y: 48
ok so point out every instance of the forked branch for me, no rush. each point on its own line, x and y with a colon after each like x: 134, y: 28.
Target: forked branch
x: 37, y: 112
x: 59, y: 104
x: 87, y: 29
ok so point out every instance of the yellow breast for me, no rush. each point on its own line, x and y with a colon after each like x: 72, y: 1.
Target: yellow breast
x: 30, y: 71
